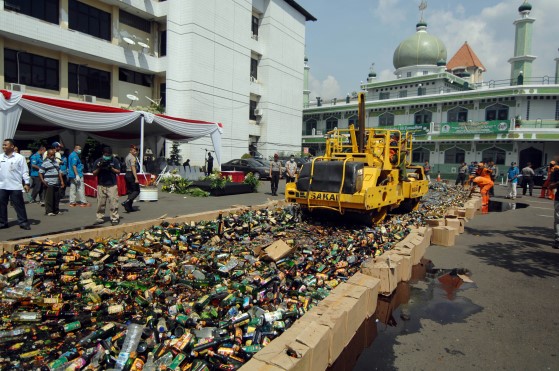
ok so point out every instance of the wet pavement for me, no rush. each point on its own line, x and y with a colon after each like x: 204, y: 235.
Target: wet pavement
x: 433, y: 294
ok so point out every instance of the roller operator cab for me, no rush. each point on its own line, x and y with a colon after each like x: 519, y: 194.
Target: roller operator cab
x: 366, y: 171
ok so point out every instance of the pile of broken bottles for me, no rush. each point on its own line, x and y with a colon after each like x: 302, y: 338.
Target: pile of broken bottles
x: 199, y: 296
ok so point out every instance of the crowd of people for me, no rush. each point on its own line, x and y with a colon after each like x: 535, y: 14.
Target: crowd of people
x: 52, y: 170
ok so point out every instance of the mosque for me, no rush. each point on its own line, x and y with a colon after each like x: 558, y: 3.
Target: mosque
x: 454, y: 114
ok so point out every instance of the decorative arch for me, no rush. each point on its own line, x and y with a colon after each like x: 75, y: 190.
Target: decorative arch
x: 495, y: 154
x: 331, y: 123
x: 352, y: 120
x: 457, y: 114
x: 420, y: 155
x: 423, y: 117
x: 310, y: 127
x: 497, y: 111
x: 386, y: 119
x: 454, y: 155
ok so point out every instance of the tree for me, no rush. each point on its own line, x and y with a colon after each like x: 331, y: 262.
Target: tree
x: 175, y: 157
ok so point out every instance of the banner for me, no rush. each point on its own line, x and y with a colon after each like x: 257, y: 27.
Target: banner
x: 415, y: 129
x: 478, y: 127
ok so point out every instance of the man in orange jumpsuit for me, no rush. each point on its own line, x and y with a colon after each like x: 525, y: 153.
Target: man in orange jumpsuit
x: 546, y: 192
x: 484, y: 182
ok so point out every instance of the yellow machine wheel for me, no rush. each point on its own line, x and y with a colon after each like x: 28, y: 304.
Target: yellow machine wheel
x: 378, y: 215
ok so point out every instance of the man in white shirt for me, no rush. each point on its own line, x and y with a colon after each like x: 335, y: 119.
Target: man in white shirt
x: 13, y: 173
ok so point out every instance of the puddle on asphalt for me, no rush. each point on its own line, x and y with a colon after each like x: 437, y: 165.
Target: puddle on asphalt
x: 498, y: 206
x: 431, y: 294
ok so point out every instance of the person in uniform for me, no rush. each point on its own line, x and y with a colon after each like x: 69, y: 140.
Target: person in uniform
x: 131, y: 178
x: 275, y: 168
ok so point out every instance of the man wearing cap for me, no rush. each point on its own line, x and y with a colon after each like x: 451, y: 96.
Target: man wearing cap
x: 106, y: 170
x: 57, y: 154
x: 131, y: 177
x: 512, y: 176
x: 275, y: 168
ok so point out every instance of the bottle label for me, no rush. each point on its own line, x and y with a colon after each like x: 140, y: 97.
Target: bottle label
x: 115, y: 309
x: 72, y: 326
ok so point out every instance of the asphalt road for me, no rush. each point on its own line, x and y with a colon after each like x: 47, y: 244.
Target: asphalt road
x: 508, y: 321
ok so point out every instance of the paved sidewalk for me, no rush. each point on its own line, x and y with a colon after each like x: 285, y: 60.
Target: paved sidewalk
x: 168, y: 204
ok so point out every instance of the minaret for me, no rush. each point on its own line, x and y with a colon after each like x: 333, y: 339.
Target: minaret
x: 557, y: 70
x: 306, y: 91
x: 521, y: 63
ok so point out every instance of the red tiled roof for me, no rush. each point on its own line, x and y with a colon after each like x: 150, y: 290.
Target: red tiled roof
x: 464, y: 57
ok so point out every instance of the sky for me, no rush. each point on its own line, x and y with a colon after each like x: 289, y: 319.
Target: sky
x: 350, y: 35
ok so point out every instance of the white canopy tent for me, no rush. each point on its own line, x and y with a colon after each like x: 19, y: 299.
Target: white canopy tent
x: 102, y: 120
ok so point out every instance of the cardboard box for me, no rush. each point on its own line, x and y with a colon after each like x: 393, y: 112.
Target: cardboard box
x: 279, y: 344
x: 372, y: 284
x: 358, y: 310
x: 274, y: 252
x: 380, y: 268
x: 421, y: 243
x: 287, y: 362
x: 396, y: 259
x: 406, y: 261
x: 435, y: 222
x: 456, y: 224
x: 443, y: 236
x: 407, y: 248
x: 316, y: 337
x: 256, y: 365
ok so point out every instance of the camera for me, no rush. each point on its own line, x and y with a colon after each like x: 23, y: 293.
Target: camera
x: 105, y: 164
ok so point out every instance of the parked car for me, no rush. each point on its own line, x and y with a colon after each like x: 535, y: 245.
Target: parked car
x: 248, y: 165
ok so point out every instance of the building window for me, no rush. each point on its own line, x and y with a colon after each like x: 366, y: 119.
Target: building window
x: 352, y: 121
x: 253, y: 69
x: 423, y: 117
x: 454, y: 155
x: 46, y: 10
x: 252, y: 107
x: 33, y: 70
x: 420, y: 155
x: 386, y: 119
x: 331, y: 123
x: 497, y: 112
x: 163, y: 44
x: 84, y: 80
x: 402, y: 94
x: 310, y: 127
x: 134, y: 77
x: 132, y: 20
x: 385, y: 95
x: 557, y: 110
x: 90, y: 20
x: 254, y: 26
x: 408, y: 74
x: 494, y: 154
x: 457, y: 114
x: 163, y: 94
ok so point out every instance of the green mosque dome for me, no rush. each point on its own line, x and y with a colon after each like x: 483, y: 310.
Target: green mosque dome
x: 525, y: 7
x: 419, y: 49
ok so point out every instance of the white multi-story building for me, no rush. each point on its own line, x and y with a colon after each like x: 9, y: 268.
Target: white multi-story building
x: 237, y: 62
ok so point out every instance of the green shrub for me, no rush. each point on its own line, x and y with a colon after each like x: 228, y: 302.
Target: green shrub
x: 251, y: 180
x: 246, y: 155
x: 175, y: 184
